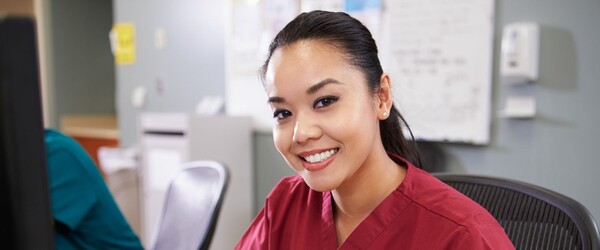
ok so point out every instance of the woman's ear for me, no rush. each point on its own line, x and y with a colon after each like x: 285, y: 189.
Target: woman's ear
x: 385, y: 97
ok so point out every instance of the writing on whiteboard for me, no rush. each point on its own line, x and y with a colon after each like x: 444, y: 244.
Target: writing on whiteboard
x: 439, y: 56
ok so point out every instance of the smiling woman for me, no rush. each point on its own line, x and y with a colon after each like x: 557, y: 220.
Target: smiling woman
x: 336, y: 126
x: 326, y: 106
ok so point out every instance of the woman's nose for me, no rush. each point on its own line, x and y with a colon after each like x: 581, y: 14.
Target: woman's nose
x: 305, y: 129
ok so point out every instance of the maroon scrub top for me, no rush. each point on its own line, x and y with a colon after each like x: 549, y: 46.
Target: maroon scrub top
x: 422, y: 213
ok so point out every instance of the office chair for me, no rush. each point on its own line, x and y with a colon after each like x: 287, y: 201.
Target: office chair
x: 533, y: 217
x: 191, y: 208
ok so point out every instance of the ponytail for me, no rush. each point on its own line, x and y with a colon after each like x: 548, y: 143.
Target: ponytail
x: 394, y: 140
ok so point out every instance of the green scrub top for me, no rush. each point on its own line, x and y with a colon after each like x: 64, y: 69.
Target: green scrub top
x: 85, y: 214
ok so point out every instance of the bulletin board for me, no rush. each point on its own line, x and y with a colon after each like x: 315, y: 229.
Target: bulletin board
x: 438, y: 54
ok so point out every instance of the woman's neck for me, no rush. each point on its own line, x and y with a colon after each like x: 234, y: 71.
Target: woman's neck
x: 359, y: 196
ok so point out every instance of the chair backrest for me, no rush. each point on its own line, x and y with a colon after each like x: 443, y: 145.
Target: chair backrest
x: 191, y: 208
x: 533, y: 217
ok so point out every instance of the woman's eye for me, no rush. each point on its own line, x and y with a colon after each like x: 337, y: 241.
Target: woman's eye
x: 281, y: 114
x: 325, y: 101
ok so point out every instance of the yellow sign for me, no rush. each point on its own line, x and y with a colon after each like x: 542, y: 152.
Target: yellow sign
x: 124, y: 38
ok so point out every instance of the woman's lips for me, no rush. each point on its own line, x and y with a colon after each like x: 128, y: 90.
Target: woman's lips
x: 316, y: 166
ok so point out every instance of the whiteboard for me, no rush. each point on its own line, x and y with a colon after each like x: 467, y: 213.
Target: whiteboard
x: 253, y: 25
x: 439, y: 56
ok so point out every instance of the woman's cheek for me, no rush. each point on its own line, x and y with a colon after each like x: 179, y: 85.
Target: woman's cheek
x: 346, y: 121
x: 278, y: 139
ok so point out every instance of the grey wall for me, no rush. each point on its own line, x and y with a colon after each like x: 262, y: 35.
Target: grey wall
x: 80, y: 67
x: 190, y: 66
x: 555, y: 150
x: 269, y: 165
x: 558, y: 148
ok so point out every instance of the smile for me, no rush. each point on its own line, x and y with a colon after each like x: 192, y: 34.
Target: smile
x: 320, y: 157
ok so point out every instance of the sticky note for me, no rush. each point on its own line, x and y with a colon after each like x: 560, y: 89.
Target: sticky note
x: 123, y: 35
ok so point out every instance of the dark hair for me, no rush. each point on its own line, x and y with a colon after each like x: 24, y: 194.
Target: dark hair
x: 352, y: 38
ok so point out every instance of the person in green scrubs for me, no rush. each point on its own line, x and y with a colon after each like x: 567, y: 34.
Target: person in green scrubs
x: 84, y: 211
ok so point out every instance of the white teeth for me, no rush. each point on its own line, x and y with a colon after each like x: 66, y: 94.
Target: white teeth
x: 319, y: 157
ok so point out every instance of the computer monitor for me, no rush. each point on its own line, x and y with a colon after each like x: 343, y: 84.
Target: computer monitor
x: 25, y: 217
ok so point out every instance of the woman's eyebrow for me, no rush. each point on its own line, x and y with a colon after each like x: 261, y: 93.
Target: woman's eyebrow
x: 313, y: 89
x: 276, y: 99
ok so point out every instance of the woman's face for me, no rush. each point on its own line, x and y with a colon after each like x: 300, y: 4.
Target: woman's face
x: 325, y: 120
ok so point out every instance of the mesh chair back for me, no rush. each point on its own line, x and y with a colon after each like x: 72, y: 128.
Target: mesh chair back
x: 191, y: 208
x: 533, y: 217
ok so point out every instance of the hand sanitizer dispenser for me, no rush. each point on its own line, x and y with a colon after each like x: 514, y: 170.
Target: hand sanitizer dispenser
x: 519, y: 61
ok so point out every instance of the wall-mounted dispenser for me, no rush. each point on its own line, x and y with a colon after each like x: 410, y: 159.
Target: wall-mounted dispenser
x: 519, y: 61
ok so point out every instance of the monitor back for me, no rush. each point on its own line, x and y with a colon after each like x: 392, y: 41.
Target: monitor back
x: 25, y: 207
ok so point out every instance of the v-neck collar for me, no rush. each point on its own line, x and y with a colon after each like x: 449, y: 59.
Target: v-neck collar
x: 371, y: 227
x: 328, y: 234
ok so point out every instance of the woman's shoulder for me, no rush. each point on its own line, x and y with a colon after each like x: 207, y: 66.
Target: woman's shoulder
x: 292, y: 180
x: 440, y: 199
x: 293, y: 195
x: 56, y: 140
x: 287, y: 187
x: 450, y: 210
x: 291, y: 214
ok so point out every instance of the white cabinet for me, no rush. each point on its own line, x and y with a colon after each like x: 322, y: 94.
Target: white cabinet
x: 170, y: 139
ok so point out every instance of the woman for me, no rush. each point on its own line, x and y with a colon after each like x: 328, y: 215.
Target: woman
x: 336, y: 126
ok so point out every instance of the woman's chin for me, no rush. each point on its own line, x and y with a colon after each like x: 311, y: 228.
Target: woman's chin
x: 319, y: 185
